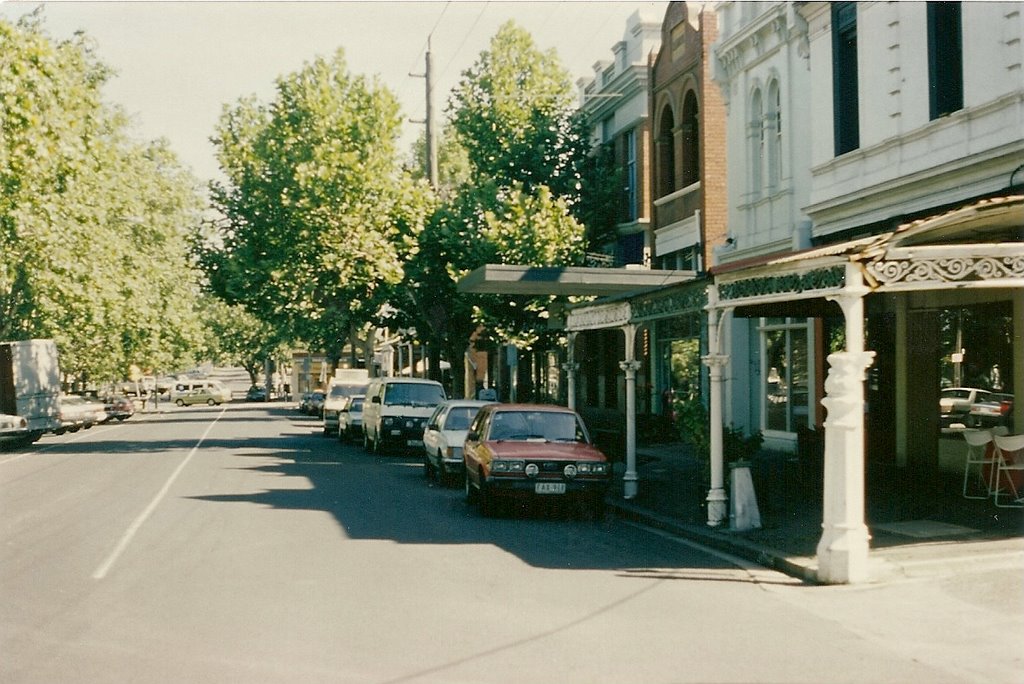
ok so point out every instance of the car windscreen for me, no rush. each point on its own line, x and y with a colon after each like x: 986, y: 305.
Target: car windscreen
x: 459, y: 417
x: 339, y: 391
x: 530, y: 425
x: 413, y: 394
x: 356, y: 406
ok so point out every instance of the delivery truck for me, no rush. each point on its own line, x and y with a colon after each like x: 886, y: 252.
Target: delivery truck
x: 30, y: 386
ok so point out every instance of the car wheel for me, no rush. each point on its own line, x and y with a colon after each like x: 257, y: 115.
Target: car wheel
x: 428, y: 468
x: 180, y: 402
x: 472, y: 495
x: 367, y: 447
x: 488, y: 504
x: 443, y: 476
x: 211, y: 402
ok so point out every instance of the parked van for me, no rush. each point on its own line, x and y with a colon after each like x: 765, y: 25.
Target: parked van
x: 346, y: 383
x: 218, y: 389
x: 396, y: 410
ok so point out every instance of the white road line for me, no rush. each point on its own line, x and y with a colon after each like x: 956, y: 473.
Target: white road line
x: 129, y: 534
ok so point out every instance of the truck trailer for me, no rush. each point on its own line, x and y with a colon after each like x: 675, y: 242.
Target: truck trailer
x: 30, y: 385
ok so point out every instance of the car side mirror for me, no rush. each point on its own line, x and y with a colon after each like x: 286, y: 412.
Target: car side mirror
x: 472, y: 437
x: 375, y: 400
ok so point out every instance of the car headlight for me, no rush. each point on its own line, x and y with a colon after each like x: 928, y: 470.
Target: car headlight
x: 532, y: 469
x: 506, y: 466
x: 330, y: 413
x: 454, y: 452
x: 570, y: 471
x: 592, y: 468
x: 387, y: 421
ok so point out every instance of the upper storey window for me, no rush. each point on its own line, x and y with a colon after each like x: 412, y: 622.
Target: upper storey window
x: 691, y: 140
x: 945, y: 59
x: 846, y: 117
x: 666, y: 153
x: 774, y: 126
x: 756, y: 141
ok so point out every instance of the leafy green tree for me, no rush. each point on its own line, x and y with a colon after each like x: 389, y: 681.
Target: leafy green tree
x: 318, y: 220
x: 513, y: 113
x: 453, y: 166
x: 599, y: 208
x: 513, y: 128
x: 487, y: 224
x: 236, y: 337
x: 92, y: 223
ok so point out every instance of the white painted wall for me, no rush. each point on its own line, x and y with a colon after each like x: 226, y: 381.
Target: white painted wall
x: 905, y: 162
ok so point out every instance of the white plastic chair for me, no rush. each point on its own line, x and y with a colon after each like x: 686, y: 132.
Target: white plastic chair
x: 1009, y: 460
x: 980, y: 452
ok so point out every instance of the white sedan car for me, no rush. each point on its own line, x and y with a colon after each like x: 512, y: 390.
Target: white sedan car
x: 444, y: 435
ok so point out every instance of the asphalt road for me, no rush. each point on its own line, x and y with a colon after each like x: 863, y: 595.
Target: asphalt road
x: 237, y: 544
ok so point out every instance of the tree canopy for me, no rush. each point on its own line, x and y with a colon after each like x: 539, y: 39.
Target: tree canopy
x: 93, y: 224
x: 317, y: 218
x: 513, y: 112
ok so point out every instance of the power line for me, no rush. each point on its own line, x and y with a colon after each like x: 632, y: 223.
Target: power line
x: 465, y: 37
x: 417, y: 60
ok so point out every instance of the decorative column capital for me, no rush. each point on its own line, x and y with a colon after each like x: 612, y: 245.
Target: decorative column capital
x: 715, y: 360
x: 571, y: 366
x: 630, y: 366
x: 844, y: 388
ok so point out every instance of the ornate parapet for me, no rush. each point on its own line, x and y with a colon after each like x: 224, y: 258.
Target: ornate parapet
x: 600, y: 317
x: 684, y: 301
x: 820, y: 280
x: 895, y: 272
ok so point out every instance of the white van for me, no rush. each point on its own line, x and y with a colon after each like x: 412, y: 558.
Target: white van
x: 396, y: 410
x: 217, y: 388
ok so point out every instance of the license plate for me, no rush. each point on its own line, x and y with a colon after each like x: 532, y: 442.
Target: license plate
x: 549, y: 488
x: 414, y: 442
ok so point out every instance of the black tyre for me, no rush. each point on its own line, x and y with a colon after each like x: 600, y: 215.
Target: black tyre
x: 472, y: 495
x: 180, y: 402
x: 488, y: 504
x: 211, y: 402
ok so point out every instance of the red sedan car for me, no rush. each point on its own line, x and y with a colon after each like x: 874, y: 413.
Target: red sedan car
x: 527, y: 451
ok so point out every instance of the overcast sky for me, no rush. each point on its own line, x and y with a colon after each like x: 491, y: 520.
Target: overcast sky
x: 178, y: 63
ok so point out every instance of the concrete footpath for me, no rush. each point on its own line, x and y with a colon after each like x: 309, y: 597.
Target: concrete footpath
x: 916, y: 530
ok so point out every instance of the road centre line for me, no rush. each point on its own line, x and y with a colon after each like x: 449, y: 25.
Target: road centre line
x: 129, y: 534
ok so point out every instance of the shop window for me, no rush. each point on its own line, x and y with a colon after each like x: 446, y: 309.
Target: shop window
x: 786, y: 396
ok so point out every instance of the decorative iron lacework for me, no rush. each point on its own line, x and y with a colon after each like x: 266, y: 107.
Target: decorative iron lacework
x: 792, y: 283
x: 688, y: 301
x: 951, y: 269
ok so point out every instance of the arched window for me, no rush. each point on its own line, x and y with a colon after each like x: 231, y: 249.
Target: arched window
x: 666, y: 153
x: 773, y: 125
x: 691, y: 140
x: 756, y: 139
